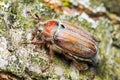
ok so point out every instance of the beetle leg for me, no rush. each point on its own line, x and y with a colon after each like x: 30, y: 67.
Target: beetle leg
x: 34, y: 33
x: 81, y: 66
x: 38, y: 42
x: 39, y: 20
x: 35, y: 43
x: 36, y: 17
x: 68, y: 56
x: 50, y: 59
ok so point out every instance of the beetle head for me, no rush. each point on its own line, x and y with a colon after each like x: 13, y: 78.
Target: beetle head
x: 48, y: 28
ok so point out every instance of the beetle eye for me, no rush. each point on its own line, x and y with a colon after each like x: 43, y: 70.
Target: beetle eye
x: 62, y: 26
x: 40, y: 31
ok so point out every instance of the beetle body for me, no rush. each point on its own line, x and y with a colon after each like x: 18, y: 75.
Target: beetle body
x: 69, y: 39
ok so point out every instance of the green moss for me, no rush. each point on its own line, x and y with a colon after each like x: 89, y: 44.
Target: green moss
x: 39, y: 60
x: 66, y: 3
x: 67, y: 74
x: 28, y: 1
x: 1, y: 27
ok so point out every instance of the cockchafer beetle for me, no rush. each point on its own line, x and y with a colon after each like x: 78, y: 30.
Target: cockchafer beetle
x: 73, y: 42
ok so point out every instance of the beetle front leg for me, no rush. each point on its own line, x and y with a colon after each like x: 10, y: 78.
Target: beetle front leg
x: 34, y: 33
x: 37, y: 18
x: 50, y: 59
x: 35, y: 43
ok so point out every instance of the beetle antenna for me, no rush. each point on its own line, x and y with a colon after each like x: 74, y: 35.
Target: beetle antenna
x: 30, y: 14
x: 36, y: 17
